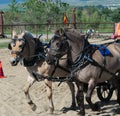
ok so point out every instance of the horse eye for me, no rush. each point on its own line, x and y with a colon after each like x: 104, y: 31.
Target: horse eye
x: 58, y: 44
x: 20, y: 46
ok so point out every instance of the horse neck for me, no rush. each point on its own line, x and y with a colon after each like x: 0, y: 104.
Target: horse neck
x: 75, y: 49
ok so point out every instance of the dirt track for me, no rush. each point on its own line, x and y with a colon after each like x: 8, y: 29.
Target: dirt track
x: 13, y: 101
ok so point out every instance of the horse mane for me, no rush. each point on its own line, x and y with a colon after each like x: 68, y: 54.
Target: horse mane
x: 74, y: 35
x: 26, y: 35
x: 38, y: 46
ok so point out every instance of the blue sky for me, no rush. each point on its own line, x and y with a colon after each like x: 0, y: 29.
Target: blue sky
x: 9, y: 1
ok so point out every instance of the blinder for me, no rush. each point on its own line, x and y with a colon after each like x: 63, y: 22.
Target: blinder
x: 63, y: 45
x: 14, y: 43
x: 9, y: 46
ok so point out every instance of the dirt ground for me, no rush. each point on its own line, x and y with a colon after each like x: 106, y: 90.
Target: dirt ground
x: 13, y: 101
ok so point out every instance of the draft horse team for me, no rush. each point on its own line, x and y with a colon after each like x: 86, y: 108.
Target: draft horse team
x: 71, y: 57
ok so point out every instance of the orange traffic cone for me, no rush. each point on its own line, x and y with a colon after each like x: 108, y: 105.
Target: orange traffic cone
x: 1, y: 71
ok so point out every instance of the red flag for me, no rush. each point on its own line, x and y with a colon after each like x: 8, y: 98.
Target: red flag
x: 65, y: 20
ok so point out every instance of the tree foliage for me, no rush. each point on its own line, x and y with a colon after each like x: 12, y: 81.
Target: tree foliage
x: 116, y: 15
x: 44, y: 11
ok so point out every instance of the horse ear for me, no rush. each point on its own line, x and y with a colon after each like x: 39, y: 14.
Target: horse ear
x: 14, y: 34
x: 62, y: 31
x: 23, y: 33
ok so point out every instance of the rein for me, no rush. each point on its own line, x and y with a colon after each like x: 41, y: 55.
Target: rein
x: 40, y: 77
x: 92, y: 61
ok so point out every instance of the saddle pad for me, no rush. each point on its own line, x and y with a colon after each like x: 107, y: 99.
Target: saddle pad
x: 103, y: 50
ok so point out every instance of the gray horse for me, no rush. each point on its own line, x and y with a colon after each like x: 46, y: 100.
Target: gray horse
x: 31, y: 53
x: 88, y: 64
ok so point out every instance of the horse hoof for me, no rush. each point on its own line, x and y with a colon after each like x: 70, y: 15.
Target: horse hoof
x: 65, y: 109
x: 50, y: 110
x: 118, y: 101
x: 73, y: 107
x: 33, y: 107
x: 96, y: 107
x: 81, y: 113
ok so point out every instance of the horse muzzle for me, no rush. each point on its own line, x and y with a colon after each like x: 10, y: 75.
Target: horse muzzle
x: 14, y: 61
x: 49, y: 61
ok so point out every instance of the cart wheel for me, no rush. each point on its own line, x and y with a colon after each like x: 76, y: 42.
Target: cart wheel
x: 104, y: 92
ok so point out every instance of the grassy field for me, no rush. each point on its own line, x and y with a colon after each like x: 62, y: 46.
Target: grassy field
x: 3, y: 45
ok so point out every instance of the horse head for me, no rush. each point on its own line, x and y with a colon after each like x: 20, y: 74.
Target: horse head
x: 61, y: 44
x: 19, y: 46
x: 58, y: 46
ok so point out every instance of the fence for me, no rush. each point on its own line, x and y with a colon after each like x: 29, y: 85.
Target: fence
x: 48, y: 29
x: 1, y: 23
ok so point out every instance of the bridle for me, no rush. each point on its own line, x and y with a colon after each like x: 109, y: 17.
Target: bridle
x: 61, y: 48
x: 33, y: 58
x: 79, y: 57
x: 22, y: 47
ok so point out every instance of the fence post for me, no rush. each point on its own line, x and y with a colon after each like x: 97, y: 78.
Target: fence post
x: 74, y: 19
x: 11, y: 30
x: 47, y: 31
x: 114, y: 25
x: 1, y: 25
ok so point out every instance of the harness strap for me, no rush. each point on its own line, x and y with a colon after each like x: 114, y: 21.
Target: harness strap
x: 40, y: 77
x: 63, y: 78
x: 92, y: 61
x: 65, y: 69
x: 101, y: 72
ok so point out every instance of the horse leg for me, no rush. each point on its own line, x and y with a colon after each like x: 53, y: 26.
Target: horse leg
x: 91, y: 86
x: 118, y: 94
x: 49, y: 94
x: 27, y: 86
x: 117, y: 83
x: 72, y: 90
x: 80, y: 98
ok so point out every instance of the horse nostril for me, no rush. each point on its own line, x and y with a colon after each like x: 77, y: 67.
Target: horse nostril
x: 13, y: 62
x: 47, y: 60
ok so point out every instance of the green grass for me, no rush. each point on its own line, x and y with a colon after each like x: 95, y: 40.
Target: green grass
x: 3, y: 45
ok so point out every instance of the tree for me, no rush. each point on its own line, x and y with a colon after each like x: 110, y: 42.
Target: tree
x: 116, y: 15
x: 13, y: 8
x: 106, y: 13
